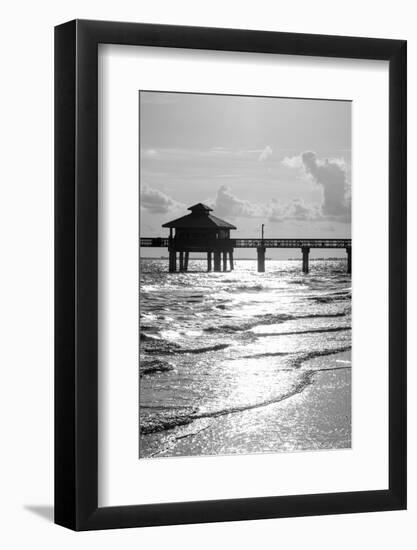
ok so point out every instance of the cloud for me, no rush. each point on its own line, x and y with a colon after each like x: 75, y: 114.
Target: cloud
x: 228, y: 205
x: 296, y: 209
x: 293, y: 162
x: 265, y: 154
x: 331, y: 176
x: 156, y: 202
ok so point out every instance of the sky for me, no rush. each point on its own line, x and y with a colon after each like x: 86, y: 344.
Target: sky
x: 281, y: 162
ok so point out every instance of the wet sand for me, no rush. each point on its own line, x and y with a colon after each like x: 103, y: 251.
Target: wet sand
x: 319, y: 417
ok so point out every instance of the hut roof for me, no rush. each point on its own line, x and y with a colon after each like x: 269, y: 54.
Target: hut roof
x: 200, y: 207
x: 200, y: 218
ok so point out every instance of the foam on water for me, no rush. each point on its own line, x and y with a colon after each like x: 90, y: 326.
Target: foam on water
x: 215, y: 344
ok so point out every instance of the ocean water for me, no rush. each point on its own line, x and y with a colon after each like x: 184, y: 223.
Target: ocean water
x: 243, y: 362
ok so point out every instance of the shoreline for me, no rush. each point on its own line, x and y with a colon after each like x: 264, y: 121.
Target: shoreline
x: 318, y: 417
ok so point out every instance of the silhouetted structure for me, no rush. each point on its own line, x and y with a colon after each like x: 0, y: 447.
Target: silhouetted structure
x: 200, y: 231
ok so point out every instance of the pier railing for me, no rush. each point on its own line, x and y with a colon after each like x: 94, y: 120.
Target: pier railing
x: 224, y: 247
x: 161, y: 242
x: 292, y: 243
x: 154, y: 241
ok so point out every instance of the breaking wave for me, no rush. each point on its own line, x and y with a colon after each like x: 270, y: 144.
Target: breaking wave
x: 199, y: 334
x: 154, y: 366
x: 309, y: 331
x: 159, y: 346
x: 158, y: 424
x: 172, y: 419
x: 239, y: 325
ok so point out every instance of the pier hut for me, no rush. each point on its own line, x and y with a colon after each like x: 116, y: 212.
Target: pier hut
x: 201, y: 232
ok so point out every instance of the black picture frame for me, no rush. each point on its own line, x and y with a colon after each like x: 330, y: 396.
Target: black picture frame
x: 76, y: 274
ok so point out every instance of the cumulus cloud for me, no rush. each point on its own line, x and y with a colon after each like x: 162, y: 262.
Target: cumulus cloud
x: 296, y: 209
x: 156, y: 202
x: 293, y: 162
x: 228, y: 205
x: 265, y: 154
x: 331, y: 176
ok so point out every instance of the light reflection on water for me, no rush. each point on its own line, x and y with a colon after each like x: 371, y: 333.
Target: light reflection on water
x: 225, y: 350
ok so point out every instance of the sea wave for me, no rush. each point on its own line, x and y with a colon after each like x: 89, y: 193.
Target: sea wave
x: 270, y: 319
x: 327, y: 298
x: 201, y: 355
x: 154, y: 366
x: 249, y: 287
x: 159, y: 346
x: 158, y: 423
x: 295, y: 360
x: 215, y: 347
x: 171, y: 419
x: 165, y: 420
x: 309, y: 331
x: 301, y: 358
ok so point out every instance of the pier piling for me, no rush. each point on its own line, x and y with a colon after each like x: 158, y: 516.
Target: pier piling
x: 217, y: 261
x: 209, y: 261
x: 349, y: 259
x: 181, y: 261
x: 231, y: 260
x: 224, y: 260
x: 172, y: 261
x: 261, y: 259
x: 305, y: 251
x: 186, y: 255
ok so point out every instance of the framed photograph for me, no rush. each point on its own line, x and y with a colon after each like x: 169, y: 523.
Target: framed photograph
x: 230, y: 275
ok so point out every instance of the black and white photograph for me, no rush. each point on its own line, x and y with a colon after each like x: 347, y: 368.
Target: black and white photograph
x: 208, y: 281
x: 245, y: 274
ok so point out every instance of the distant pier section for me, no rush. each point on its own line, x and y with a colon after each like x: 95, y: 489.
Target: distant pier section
x: 202, y: 232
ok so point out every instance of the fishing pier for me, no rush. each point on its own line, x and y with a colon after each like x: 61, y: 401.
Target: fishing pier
x: 202, y: 232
